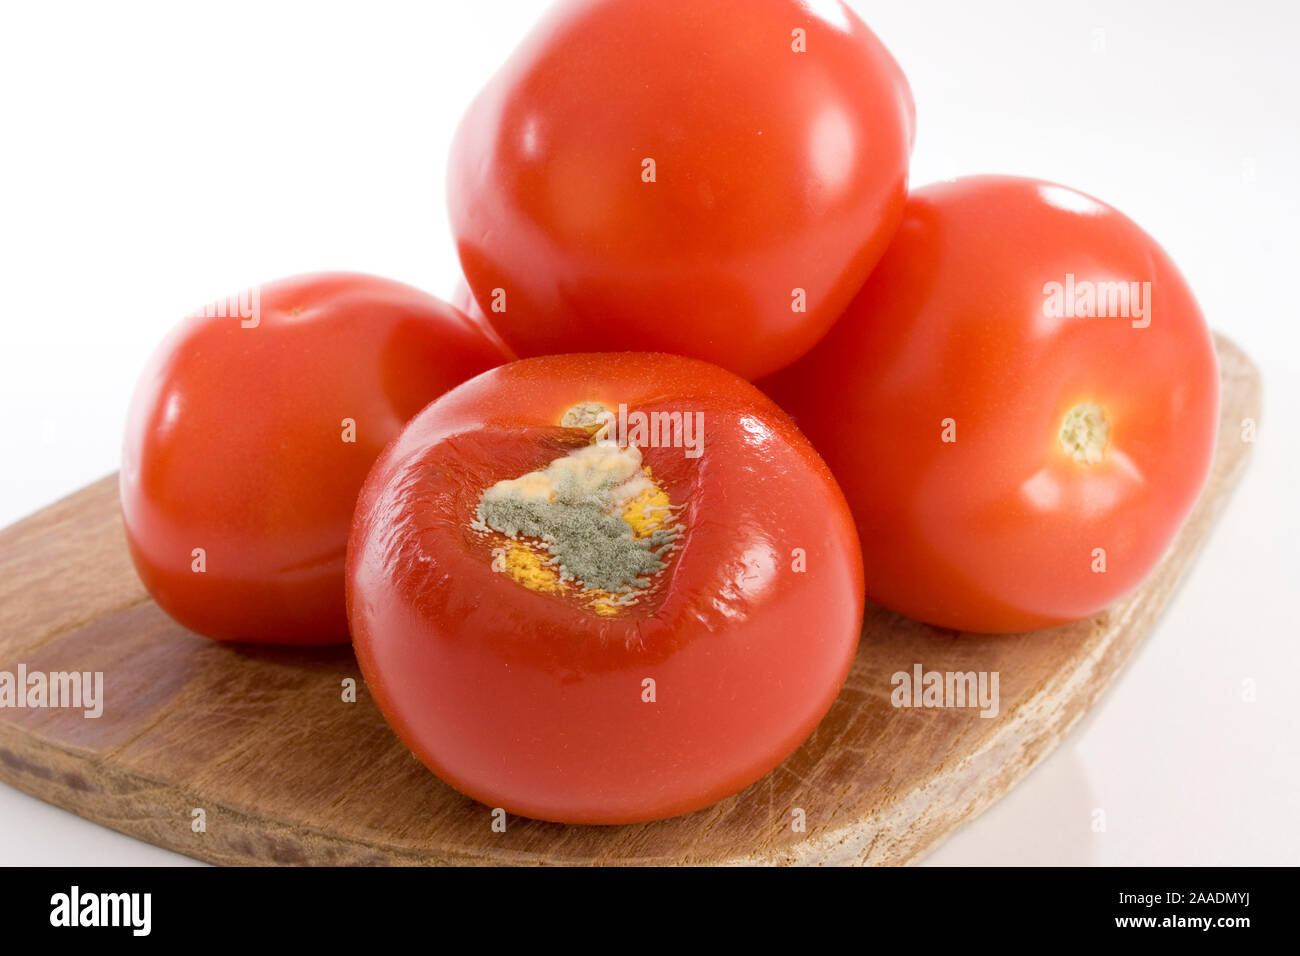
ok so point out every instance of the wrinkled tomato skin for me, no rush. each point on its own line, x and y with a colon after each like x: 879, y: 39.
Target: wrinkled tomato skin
x: 1000, y: 529
x: 774, y: 171
x: 528, y: 701
x: 235, y: 445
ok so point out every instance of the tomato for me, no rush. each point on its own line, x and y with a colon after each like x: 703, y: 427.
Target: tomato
x: 1020, y: 405
x: 462, y: 298
x: 251, y: 431
x: 714, y: 178
x: 603, y: 625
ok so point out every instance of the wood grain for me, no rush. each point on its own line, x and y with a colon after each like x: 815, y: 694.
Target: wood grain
x: 288, y: 773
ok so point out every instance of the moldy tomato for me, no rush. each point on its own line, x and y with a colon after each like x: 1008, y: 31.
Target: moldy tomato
x: 1020, y: 405
x: 713, y: 178
x: 249, y: 436
x: 603, y: 588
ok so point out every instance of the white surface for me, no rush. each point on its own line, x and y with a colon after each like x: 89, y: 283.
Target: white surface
x: 154, y: 156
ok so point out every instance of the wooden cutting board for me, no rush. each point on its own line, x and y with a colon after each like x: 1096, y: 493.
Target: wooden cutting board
x: 285, y: 771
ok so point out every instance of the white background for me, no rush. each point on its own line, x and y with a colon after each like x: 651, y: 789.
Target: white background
x: 155, y: 156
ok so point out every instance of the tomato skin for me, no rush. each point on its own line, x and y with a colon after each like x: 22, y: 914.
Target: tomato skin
x: 235, y: 444
x: 528, y: 701
x: 774, y: 171
x: 999, y: 530
x: 462, y: 298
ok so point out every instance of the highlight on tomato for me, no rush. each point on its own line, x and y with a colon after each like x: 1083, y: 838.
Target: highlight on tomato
x: 603, y: 588
x: 463, y: 299
x: 251, y: 431
x: 1021, y: 406
x: 714, y: 178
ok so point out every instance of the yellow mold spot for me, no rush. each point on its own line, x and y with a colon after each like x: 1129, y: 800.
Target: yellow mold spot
x: 527, y: 566
x: 649, y: 511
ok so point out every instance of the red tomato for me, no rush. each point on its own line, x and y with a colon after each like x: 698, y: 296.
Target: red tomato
x: 663, y: 627
x: 462, y: 298
x: 714, y: 178
x: 1013, y: 461
x: 250, y: 434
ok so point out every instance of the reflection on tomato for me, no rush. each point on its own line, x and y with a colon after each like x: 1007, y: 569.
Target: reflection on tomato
x: 1020, y: 405
x: 713, y: 178
x: 603, y: 627
x: 249, y: 436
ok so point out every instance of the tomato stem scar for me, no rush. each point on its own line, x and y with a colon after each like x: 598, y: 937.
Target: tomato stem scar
x: 589, y: 416
x: 1085, y: 433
